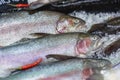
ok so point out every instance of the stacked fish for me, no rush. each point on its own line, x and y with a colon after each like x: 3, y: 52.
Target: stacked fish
x: 50, y: 45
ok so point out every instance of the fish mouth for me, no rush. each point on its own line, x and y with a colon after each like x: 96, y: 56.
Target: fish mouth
x: 81, y: 28
x: 107, y: 66
x: 97, y: 45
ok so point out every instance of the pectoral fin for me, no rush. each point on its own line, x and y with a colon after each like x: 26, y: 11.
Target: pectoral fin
x: 30, y: 37
x: 60, y: 57
x: 35, y: 5
x: 22, y: 41
x: 38, y: 35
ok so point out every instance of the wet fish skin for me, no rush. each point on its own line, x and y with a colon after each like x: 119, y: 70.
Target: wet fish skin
x: 113, y: 21
x: 39, y: 3
x: 60, y: 67
x: 113, y: 47
x: 21, y: 25
x: 72, y: 44
x: 103, y: 29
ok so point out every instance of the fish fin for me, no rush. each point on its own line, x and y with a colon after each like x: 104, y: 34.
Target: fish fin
x: 59, y: 57
x: 30, y: 37
x: 35, y: 5
x: 38, y: 35
x: 31, y: 65
x: 21, y: 41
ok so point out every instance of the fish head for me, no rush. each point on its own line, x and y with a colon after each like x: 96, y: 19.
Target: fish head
x: 70, y: 24
x: 96, y: 42
x: 104, y: 64
x: 87, y: 43
x: 98, y: 63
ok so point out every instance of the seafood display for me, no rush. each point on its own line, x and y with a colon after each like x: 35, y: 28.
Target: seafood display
x: 72, y: 44
x: 60, y: 40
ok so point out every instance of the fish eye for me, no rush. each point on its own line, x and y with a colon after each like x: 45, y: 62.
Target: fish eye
x: 94, y: 37
x: 76, y: 21
x: 63, y: 19
x: 102, y: 64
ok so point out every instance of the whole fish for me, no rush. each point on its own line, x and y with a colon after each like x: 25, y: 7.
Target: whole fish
x: 51, y: 71
x: 31, y: 52
x: 21, y: 25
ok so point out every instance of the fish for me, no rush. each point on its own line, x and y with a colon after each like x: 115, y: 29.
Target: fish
x: 110, y: 52
x: 114, y: 21
x: 103, y: 29
x: 90, y: 6
x: 21, y: 25
x: 33, y: 52
x: 39, y: 3
x: 113, y: 47
x: 55, y: 70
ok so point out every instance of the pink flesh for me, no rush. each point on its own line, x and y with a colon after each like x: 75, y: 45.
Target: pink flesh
x: 62, y: 30
x: 82, y: 46
x: 86, y: 73
x: 63, y: 25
